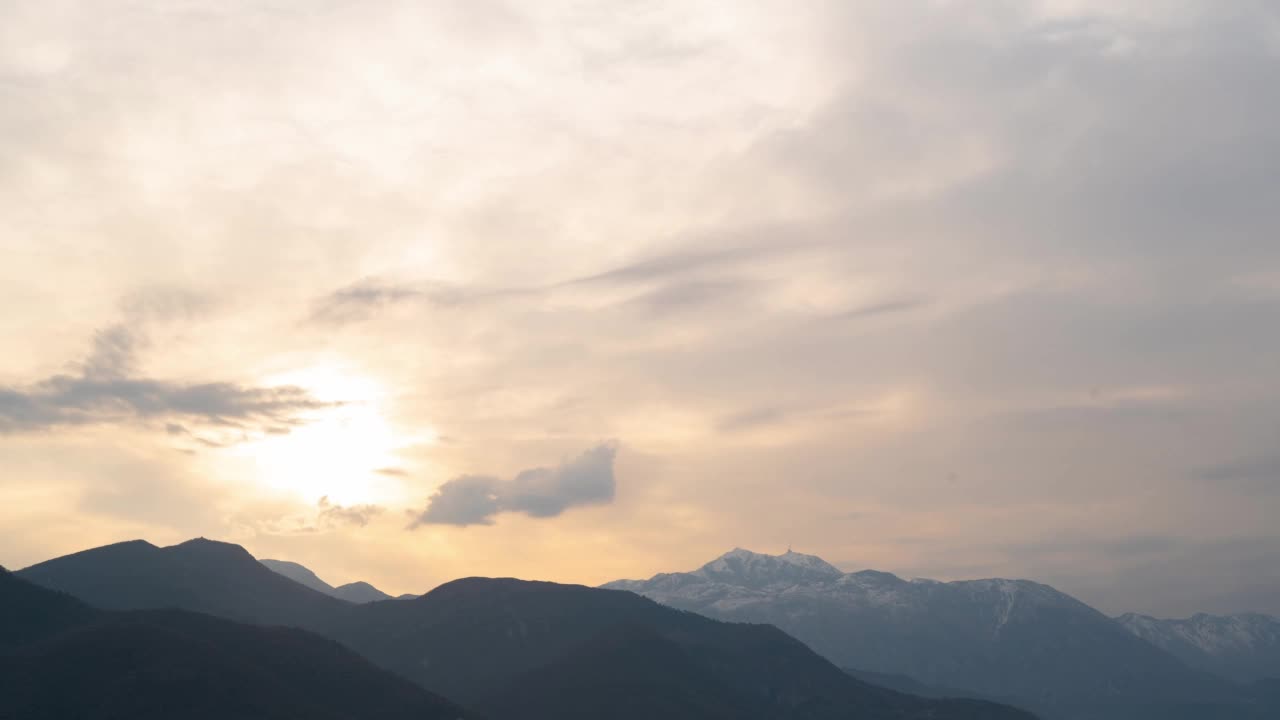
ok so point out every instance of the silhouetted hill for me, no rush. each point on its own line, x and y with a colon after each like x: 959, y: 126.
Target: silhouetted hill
x: 531, y: 650
x: 496, y: 645
x: 75, y: 662
x: 299, y: 573
x: 359, y: 592
x: 28, y: 612
x: 627, y: 672
x: 911, y: 686
x: 356, y: 592
x: 201, y: 575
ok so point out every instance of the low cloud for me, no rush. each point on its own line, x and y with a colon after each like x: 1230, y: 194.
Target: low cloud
x: 351, y: 515
x: 107, y: 388
x: 537, y: 492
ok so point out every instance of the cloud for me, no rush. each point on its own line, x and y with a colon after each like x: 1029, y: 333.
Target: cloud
x: 680, y: 263
x: 887, y: 307
x: 351, y: 515
x: 751, y: 419
x: 65, y: 400
x: 365, y: 298
x: 465, y: 500
x: 537, y: 492
x: 1258, y: 475
x: 107, y: 389
x: 360, y: 300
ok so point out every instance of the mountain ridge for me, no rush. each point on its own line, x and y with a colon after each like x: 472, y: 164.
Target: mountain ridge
x: 70, y: 660
x: 1241, y: 646
x: 199, y: 575
x: 353, y: 592
x: 495, y: 645
x: 1016, y: 639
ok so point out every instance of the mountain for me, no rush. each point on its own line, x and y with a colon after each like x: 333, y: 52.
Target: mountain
x: 359, y: 592
x: 512, y: 650
x: 31, y: 612
x: 910, y: 686
x: 356, y: 592
x: 199, y: 575
x: 1016, y: 640
x: 73, y: 661
x: 1243, y: 647
x: 534, y: 650
x: 299, y: 574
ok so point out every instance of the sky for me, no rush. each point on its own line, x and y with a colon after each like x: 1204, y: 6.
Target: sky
x: 578, y: 291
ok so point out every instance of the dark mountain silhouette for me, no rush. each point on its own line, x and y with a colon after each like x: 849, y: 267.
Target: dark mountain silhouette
x: 298, y: 573
x: 986, y: 638
x: 498, y: 646
x: 201, y: 575
x: 356, y: 592
x: 359, y: 592
x: 530, y: 650
x: 72, y: 661
x: 911, y: 686
x: 28, y: 613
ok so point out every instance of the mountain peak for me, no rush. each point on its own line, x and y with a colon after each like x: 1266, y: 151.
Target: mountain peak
x: 356, y: 592
x: 203, y: 543
x: 1243, y: 646
x: 810, y: 561
x: 745, y: 568
x: 299, y: 574
x: 359, y: 592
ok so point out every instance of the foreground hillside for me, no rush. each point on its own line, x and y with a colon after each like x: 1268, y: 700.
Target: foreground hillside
x: 513, y: 648
x: 60, y: 659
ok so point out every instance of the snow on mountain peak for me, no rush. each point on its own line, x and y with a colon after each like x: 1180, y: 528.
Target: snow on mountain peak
x: 812, y: 562
x: 744, y: 568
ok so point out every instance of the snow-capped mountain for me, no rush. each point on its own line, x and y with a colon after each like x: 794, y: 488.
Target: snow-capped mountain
x: 1244, y: 647
x: 1012, y: 639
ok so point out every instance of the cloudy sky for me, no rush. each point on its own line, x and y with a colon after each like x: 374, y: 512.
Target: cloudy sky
x: 407, y: 291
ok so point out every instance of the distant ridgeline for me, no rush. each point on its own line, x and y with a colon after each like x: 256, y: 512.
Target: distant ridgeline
x: 840, y: 645
x: 356, y: 592
x: 1014, y: 640
x: 507, y: 649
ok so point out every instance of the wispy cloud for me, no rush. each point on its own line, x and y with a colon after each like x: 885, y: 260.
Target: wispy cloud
x: 332, y: 514
x: 887, y: 307
x: 108, y: 388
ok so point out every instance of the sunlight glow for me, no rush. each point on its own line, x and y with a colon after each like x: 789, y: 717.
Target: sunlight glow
x: 339, y: 449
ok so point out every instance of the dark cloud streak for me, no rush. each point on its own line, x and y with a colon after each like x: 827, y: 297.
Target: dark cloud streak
x: 108, y: 390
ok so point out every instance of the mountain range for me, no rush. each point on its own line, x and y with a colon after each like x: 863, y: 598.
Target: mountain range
x: 504, y: 648
x: 61, y: 659
x: 354, y: 592
x: 1244, y: 647
x: 199, y: 575
x: 1015, y: 640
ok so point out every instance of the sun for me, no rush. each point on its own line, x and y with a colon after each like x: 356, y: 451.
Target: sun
x: 337, y: 451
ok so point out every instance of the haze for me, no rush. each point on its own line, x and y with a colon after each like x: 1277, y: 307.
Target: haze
x: 408, y: 291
